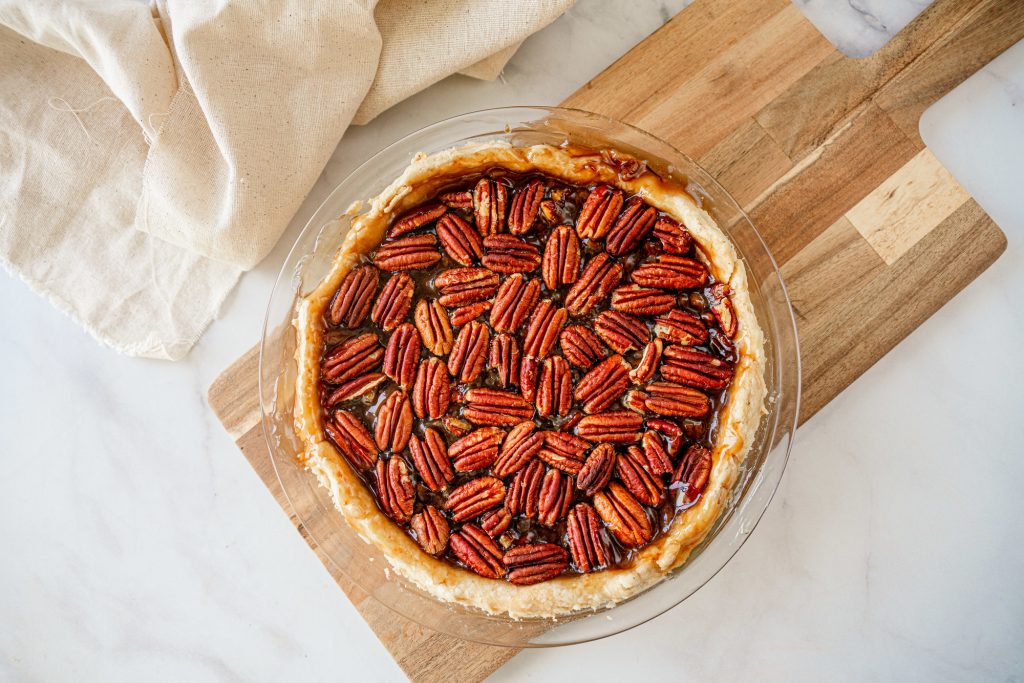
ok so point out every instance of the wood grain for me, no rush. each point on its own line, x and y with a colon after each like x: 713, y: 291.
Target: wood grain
x: 823, y: 152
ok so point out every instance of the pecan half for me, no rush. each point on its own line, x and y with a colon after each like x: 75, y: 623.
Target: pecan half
x: 586, y: 543
x: 597, y: 470
x: 393, y: 426
x: 414, y: 252
x: 644, y: 486
x: 463, y: 314
x: 459, y: 199
x: 644, y: 370
x: 504, y: 357
x: 675, y: 400
x: 469, y: 353
x: 622, y: 331
x: 672, y: 432
x: 490, y: 202
x: 462, y: 286
x: 496, y: 522
x: 402, y: 355
x: 456, y: 426
x: 430, y: 456
x: 655, y: 455
x: 670, y: 271
x: 431, y: 394
x: 475, y: 549
x: 351, y: 438
x: 352, y: 301
x: 430, y: 529
x: 486, y: 406
x: 623, y: 515
x: 460, y: 241
x: 599, y: 277
x: 525, y: 204
x: 434, y: 326
x: 521, y: 445
x: 581, y: 347
x: 603, y: 385
x: 515, y: 299
x: 674, y: 237
x: 524, y: 490
x: 619, y: 426
x: 416, y: 219
x: 642, y: 300
x: 693, y: 470
x: 529, y: 376
x: 352, y: 358
x: 542, y: 331
x: 477, y: 450
x: 508, y: 254
x: 555, y: 497
x: 355, y: 387
x: 474, y: 498
x: 554, y: 389
x: 599, y: 211
x: 535, y: 562
x: 561, y: 263
x: 636, y: 401
x: 631, y: 227
x: 693, y: 368
x: 563, y: 451
x: 681, y: 327
x: 395, y: 489
x: 721, y: 307
x: 394, y: 302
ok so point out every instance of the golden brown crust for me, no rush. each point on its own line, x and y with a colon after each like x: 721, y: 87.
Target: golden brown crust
x: 738, y: 421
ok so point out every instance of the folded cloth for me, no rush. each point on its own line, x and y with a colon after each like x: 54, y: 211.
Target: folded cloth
x: 150, y: 154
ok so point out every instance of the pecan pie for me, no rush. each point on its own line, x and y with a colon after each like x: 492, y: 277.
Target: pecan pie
x: 530, y: 377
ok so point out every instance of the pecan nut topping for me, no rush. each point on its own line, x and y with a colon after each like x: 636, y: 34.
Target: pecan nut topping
x: 636, y: 401
x: 563, y: 451
x: 463, y: 314
x: 621, y: 331
x: 456, y: 426
x: 515, y: 299
x: 694, y: 471
x: 603, y: 385
x: 521, y: 445
x: 674, y: 238
x: 402, y: 355
x: 561, y: 263
x: 414, y: 252
x: 490, y: 204
x: 477, y: 450
x: 474, y: 498
x: 618, y: 426
x: 555, y: 497
x: 394, y: 423
x: 648, y: 363
x: 475, y: 549
x: 349, y: 435
x: 581, y: 347
x: 460, y: 241
x: 431, y: 394
x: 681, y: 327
x: 460, y: 199
x: 524, y: 491
x: 623, y: 515
x: 504, y: 358
x: 586, y: 543
x: 355, y: 387
x: 632, y: 227
x: 642, y: 300
x: 693, y: 368
x: 395, y: 489
x: 529, y: 377
x: 597, y: 470
x: 554, y: 389
x: 496, y: 522
x: 675, y: 400
x: 431, y: 530
x: 462, y: 286
x: 644, y: 486
x: 352, y: 301
x: 671, y: 271
x: 394, y: 302
x: 599, y: 211
x: 430, y: 456
x: 535, y: 562
x: 672, y: 432
x: 655, y: 455
x: 600, y: 276
x: 469, y: 353
x: 542, y: 331
x: 434, y: 326
x: 508, y: 254
x: 721, y: 307
x: 419, y: 217
x: 525, y: 205
x: 495, y: 407
x: 352, y: 358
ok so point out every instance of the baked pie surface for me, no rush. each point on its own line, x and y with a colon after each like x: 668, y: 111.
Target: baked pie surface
x: 585, y: 388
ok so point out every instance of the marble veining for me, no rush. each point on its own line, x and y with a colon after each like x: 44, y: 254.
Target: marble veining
x: 858, y: 28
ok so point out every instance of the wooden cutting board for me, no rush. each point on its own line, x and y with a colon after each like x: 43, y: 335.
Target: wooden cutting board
x: 873, y: 235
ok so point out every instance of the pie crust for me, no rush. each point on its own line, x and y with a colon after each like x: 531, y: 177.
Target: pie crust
x: 738, y: 418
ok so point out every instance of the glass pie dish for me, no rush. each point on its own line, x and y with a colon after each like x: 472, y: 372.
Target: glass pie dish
x: 309, y: 262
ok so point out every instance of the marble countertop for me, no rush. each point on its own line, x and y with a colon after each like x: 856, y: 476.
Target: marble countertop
x: 139, y: 545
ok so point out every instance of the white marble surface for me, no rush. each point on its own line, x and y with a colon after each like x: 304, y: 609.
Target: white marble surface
x: 860, y: 27
x: 138, y: 544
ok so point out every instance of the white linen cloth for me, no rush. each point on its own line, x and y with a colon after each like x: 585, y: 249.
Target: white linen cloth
x: 150, y: 154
